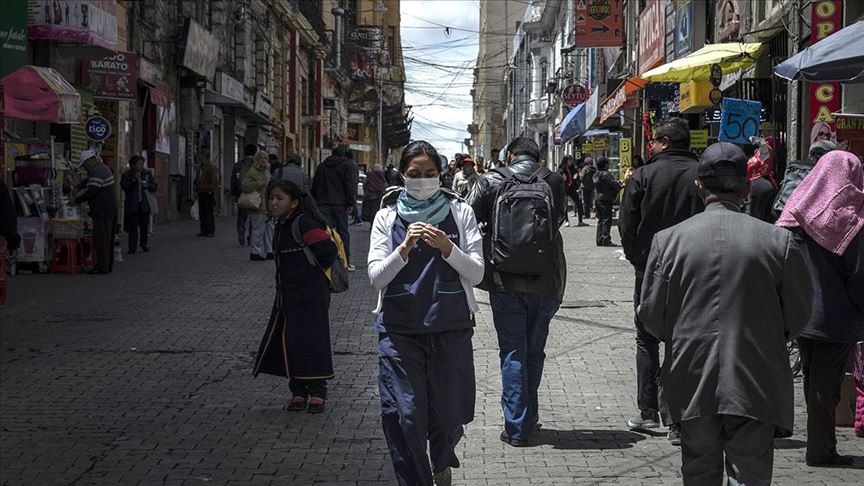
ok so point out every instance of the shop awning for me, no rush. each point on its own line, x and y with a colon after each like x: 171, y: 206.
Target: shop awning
x: 572, y: 125
x: 696, y: 66
x: 158, y: 97
x: 838, y: 57
x: 40, y: 94
x: 618, y: 98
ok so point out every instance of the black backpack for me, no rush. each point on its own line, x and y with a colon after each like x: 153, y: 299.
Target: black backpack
x: 523, y: 224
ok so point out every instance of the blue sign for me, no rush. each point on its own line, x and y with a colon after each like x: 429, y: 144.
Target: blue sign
x: 739, y: 120
x: 97, y: 128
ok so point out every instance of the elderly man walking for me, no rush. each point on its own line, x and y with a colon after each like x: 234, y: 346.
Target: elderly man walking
x: 725, y: 292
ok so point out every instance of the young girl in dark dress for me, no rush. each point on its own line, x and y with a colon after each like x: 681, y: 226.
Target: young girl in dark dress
x: 296, y: 344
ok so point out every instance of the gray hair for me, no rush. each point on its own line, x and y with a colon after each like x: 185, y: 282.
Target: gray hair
x: 262, y: 155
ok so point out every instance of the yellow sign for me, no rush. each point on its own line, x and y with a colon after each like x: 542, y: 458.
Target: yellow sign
x: 698, y: 139
x: 588, y: 147
x: 624, y: 157
x: 695, y: 96
x: 600, y: 144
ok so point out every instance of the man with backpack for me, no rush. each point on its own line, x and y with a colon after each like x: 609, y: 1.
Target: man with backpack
x: 520, y: 208
x: 293, y: 172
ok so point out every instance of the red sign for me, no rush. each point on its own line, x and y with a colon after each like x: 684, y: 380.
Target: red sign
x: 111, y: 78
x: 574, y: 95
x: 599, y: 23
x: 651, y: 36
x: 824, y: 97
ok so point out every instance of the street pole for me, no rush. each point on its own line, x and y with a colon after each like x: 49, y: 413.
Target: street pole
x: 380, y: 117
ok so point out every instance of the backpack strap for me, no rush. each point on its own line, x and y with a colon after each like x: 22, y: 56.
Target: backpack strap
x: 295, y: 233
x: 503, y: 171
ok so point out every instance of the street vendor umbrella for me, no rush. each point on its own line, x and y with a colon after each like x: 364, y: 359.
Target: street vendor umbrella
x: 40, y: 94
x: 696, y: 66
x: 838, y: 57
x: 573, y: 124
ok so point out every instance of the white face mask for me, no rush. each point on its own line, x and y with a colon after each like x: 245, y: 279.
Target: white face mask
x: 422, y: 188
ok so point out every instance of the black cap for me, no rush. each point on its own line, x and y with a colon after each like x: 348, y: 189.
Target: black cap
x: 723, y: 159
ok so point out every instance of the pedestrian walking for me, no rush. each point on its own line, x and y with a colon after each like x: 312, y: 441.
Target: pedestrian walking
x: 296, y: 343
x: 136, y: 183
x: 826, y: 212
x: 293, y: 171
x: 525, y: 274
x: 376, y: 186
x: 467, y: 177
x: 254, y: 200
x: 573, y: 180
x: 796, y: 172
x: 726, y: 377
x: 425, y: 256
x: 606, y: 188
x: 238, y: 173
x: 99, y: 195
x: 206, y: 187
x: 763, y: 187
x: 495, y: 160
x: 586, y: 175
x: 361, y: 196
x: 660, y: 195
x: 334, y: 188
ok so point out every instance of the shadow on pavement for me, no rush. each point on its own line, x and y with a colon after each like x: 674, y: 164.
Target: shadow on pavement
x: 582, y: 439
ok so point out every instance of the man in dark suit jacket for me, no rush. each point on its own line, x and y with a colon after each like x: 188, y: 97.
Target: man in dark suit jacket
x: 725, y: 292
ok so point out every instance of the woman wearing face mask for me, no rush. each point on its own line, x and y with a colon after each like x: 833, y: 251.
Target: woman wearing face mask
x: 425, y: 256
x: 296, y: 344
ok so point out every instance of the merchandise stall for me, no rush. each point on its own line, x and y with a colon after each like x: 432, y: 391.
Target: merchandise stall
x: 54, y: 234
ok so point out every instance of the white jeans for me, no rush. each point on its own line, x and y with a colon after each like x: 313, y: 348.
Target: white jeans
x: 262, y: 234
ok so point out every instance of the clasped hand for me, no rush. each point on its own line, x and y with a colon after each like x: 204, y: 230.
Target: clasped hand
x: 429, y: 234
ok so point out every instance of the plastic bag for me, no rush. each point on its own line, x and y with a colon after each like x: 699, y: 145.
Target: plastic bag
x: 194, y: 211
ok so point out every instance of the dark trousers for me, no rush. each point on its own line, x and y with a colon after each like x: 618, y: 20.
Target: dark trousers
x: 823, y: 365
x: 604, y: 222
x: 337, y: 218
x: 307, y: 388
x: 206, y: 206
x: 577, y: 205
x: 587, y: 199
x: 103, y: 242
x: 522, y: 324
x: 647, y: 358
x: 746, y: 446
x: 242, y: 226
x: 427, y: 388
x: 138, y: 229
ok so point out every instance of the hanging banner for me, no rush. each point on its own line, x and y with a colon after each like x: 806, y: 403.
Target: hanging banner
x: 588, y: 147
x: 740, y: 120
x: 625, y: 155
x: 824, y: 97
x: 599, y: 23
x: 651, y: 36
x: 111, y: 78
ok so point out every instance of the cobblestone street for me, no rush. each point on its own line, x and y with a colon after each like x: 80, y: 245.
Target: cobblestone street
x: 144, y: 377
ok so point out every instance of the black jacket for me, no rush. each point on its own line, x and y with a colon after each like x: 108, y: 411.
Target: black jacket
x: 238, y: 171
x: 482, y: 199
x: 136, y: 201
x: 606, y: 186
x: 659, y: 195
x: 335, y: 182
x: 762, y: 194
x: 838, y: 291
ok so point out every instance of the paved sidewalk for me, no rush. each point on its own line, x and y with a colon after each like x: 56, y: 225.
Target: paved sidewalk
x: 144, y: 377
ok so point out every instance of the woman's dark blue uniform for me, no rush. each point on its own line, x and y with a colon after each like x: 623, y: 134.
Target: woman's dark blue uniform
x: 426, y: 368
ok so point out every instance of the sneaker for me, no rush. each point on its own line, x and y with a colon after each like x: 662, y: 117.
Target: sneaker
x: 835, y: 460
x: 256, y: 258
x: 566, y: 224
x: 674, y: 435
x: 513, y: 442
x: 581, y: 223
x: 351, y: 268
x: 443, y: 478
x: 316, y: 405
x: 647, y: 419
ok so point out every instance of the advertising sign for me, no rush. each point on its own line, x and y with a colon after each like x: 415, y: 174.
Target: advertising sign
x: 200, y: 49
x: 625, y: 156
x: 683, y: 28
x: 824, y: 97
x: 111, y: 78
x: 13, y: 35
x: 850, y: 135
x: 588, y: 147
x: 698, y: 139
x: 651, y: 36
x: 600, y: 144
x: 739, y: 120
x: 97, y: 128
x: 727, y: 14
x: 362, y: 51
x: 599, y: 23
x: 575, y: 94
x: 91, y: 22
x: 694, y: 96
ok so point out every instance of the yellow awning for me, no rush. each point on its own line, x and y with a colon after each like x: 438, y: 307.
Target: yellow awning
x: 696, y: 66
